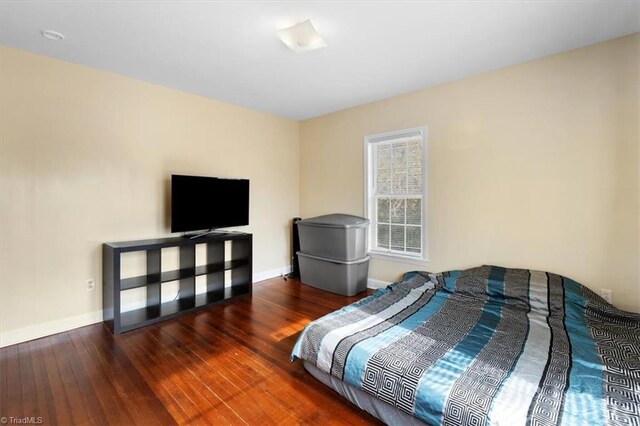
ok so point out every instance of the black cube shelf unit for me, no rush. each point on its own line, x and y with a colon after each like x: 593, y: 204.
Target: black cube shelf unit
x: 113, y: 285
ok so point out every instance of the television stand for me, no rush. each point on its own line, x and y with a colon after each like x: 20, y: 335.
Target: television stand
x: 113, y: 285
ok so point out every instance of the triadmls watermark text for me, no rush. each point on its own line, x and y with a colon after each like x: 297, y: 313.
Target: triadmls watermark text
x: 25, y: 420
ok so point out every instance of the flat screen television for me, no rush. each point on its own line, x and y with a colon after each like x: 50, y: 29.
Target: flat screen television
x: 203, y: 203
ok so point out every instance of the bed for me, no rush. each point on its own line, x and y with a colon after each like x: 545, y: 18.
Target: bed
x: 486, y: 345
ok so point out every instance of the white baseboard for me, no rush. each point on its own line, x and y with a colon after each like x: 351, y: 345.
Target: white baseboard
x: 261, y: 276
x: 376, y: 284
x: 48, y: 328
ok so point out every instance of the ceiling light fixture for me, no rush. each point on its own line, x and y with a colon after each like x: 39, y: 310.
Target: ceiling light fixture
x: 301, y: 37
x: 52, y: 35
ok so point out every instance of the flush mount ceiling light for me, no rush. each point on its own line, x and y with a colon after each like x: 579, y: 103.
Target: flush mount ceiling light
x: 52, y: 35
x: 301, y: 37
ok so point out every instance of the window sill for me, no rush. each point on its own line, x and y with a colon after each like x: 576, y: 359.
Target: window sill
x: 399, y: 258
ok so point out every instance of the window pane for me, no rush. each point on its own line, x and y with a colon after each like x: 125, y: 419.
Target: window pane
x: 383, y: 156
x: 414, y: 242
x: 399, y: 183
x: 397, y: 210
x: 414, y: 154
x: 414, y: 168
x: 383, y: 236
x: 383, y: 181
x: 383, y: 210
x: 414, y: 211
x: 397, y: 237
x: 414, y: 182
x: 399, y: 155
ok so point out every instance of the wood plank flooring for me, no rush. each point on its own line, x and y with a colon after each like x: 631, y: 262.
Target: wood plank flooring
x: 227, y: 364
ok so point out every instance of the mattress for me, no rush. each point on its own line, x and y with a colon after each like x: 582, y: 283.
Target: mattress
x: 372, y: 405
x: 486, y: 345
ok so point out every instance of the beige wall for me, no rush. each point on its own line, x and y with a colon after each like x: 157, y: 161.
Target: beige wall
x: 534, y: 165
x: 86, y: 157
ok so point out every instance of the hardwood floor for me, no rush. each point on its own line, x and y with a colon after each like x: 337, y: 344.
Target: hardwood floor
x: 227, y: 364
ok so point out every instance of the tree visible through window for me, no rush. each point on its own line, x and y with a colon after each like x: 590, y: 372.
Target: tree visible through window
x: 395, y: 193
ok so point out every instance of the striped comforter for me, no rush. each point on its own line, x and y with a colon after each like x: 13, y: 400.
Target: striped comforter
x: 486, y: 345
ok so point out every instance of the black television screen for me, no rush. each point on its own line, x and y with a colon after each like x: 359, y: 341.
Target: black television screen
x: 199, y: 203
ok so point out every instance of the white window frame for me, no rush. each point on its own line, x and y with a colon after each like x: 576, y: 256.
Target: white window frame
x: 369, y: 190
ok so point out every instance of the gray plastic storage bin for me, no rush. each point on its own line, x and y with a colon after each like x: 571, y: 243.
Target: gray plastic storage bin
x: 346, y: 278
x: 334, y: 236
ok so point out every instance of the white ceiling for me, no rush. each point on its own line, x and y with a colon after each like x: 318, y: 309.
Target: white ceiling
x: 229, y: 50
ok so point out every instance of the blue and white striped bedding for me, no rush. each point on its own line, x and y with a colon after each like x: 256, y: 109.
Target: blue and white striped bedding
x: 487, y: 345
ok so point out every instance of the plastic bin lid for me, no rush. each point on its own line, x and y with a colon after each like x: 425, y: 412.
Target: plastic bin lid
x: 336, y: 220
x: 339, y: 262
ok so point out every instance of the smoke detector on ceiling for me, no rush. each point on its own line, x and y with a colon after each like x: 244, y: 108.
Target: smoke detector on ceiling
x: 301, y: 37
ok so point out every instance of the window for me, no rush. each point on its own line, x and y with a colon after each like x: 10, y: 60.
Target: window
x: 395, y: 193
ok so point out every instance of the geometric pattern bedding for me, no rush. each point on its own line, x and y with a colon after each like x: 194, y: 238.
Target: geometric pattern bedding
x: 486, y: 346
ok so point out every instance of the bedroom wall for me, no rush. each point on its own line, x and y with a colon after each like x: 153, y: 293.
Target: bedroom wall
x: 535, y: 165
x: 86, y: 157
